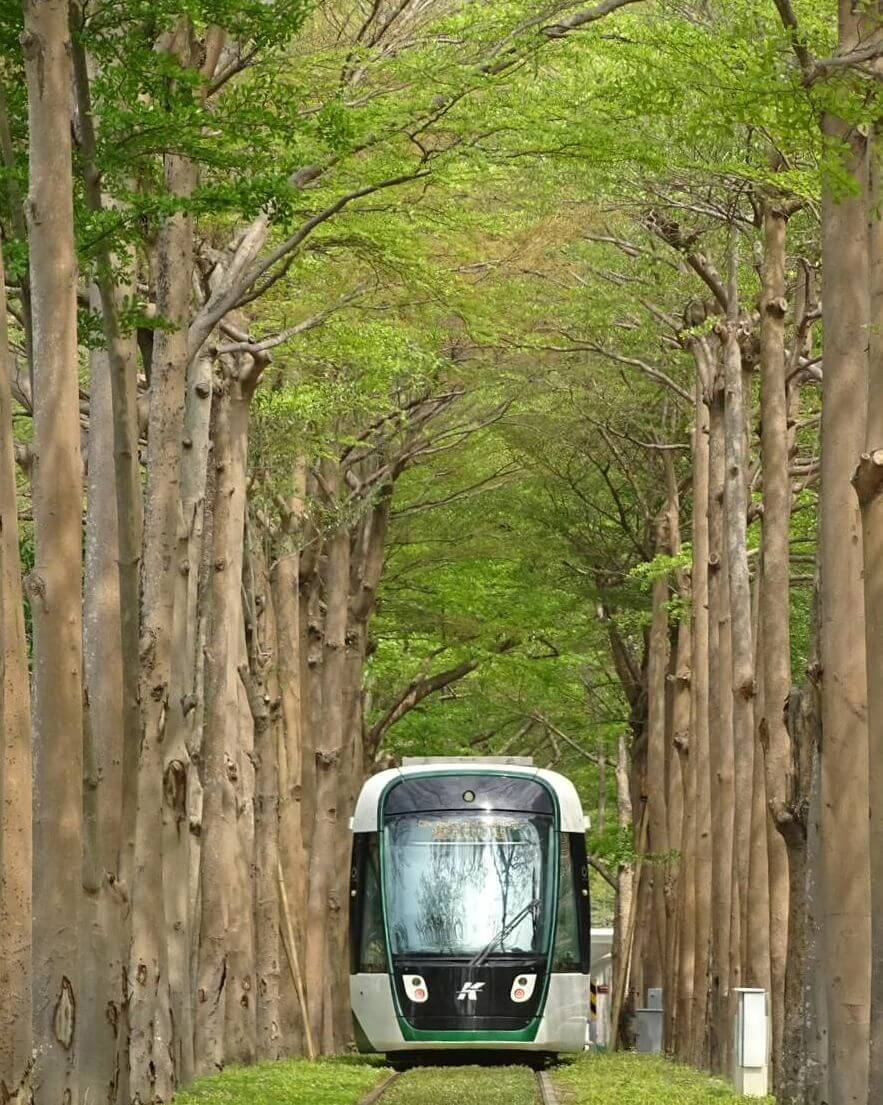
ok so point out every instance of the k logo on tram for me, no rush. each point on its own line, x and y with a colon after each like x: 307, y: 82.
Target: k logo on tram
x: 470, y: 991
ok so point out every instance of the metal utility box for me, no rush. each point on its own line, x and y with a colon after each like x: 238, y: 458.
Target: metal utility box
x: 649, y: 1031
x: 751, y: 1055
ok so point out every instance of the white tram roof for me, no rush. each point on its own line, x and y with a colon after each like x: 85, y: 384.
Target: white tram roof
x: 364, y: 819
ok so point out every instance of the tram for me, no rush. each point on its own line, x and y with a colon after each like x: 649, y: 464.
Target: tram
x: 469, y: 910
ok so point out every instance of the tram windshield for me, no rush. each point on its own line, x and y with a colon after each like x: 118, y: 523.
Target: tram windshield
x: 455, y: 883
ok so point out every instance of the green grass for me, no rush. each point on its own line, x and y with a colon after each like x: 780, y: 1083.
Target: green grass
x: 465, y: 1086
x: 623, y: 1079
x: 341, y: 1081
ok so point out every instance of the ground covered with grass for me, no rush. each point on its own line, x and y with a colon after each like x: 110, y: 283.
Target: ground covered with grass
x: 593, y: 1079
x: 341, y: 1081
x: 465, y: 1086
x: 624, y: 1079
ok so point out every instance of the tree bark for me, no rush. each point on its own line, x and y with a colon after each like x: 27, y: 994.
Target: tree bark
x: 843, y: 839
x: 625, y: 884
x: 758, y: 963
x: 868, y: 481
x: 15, y: 770
x: 104, y: 905
x: 261, y: 680
x: 699, y: 750
x: 657, y: 669
x: 55, y: 584
x: 736, y: 514
x: 328, y: 767
x: 723, y: 889
x: 183, y: 738
x: 151, y: 1046
x: 220, y: 970
x: 775, y: 595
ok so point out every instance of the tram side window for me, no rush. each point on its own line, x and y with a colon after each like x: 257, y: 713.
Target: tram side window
x: 371, y: 942
x: 567, y: 937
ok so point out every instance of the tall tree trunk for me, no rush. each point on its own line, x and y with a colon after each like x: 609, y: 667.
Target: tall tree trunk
x: 698, y: 702
x: 699, y: 749
x: 686, y: 885
x: 736, y: 514
x: 125, y: 479
x: 220, y: 970
x: 868, y: 481
x: 186, y: 709
x: 798, y: 1069
x: 775, y: 604
x: 720, y: 738
x: 657, y: 669
x: 55, y: 584
x: 286, y: 600
x: 103, y: 961
x: 677, y: 724
x: 151, y: 1046
x: 757, y: 958
x: 240, y: 1033
x: 843, y: 840
x: 15, y: 749
x: 328, y: 767
x: 624, y: 880
x: 261, y: 678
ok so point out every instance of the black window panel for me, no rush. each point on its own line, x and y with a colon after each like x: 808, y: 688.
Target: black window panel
x: 367, y: 936
x: 468, y: 792
x: 572, y: 933
x: 580, y: 862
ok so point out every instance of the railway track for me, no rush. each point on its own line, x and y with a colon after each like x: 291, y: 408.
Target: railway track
x: 545, y: 1089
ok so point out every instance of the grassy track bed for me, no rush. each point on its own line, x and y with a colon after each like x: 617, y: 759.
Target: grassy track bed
x: 328, y: 1082
x: 638, y: 1080
x: 465, y: 1086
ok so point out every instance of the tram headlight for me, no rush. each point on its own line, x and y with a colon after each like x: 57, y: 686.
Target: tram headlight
x: 416, y: 988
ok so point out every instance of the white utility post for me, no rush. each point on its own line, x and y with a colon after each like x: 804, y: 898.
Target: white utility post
x: 751, y: 1055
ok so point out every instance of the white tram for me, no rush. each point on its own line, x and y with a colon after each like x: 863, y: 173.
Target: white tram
x: 469, y: 910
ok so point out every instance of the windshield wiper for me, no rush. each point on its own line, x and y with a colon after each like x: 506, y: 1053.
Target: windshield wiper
x: 532, y: 907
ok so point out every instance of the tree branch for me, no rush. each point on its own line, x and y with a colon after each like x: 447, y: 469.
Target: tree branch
x: 420, y: 689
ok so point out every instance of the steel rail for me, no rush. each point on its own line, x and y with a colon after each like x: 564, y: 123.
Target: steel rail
x: 547, y: 1090
x: 373, y: 1096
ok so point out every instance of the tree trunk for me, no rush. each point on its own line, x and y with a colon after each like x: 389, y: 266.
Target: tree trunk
x: 240, y: 1033
x: 736, y: 514
x: 868, y: 481
x: 328, y: 767
x: 723, y: 891
x: 699, y: 750
x: 217, y: 974
x: 15, y: 770
x: 757, y: 945
x: 624, y: 880
x: 186, y: 708
x: 843, y: 840
x: 103, y: 919
x: 286, y: 601
x: 261, y: 679
x: 122, y: 368
x: 775, y: 602
x: 798, y: 1068
x: 657, y: 668
x: 151, y: 1047
x: 55, y: 584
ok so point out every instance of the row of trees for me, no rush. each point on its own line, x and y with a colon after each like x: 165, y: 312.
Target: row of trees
x: 422, y: 377
x: 223, y: 346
